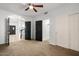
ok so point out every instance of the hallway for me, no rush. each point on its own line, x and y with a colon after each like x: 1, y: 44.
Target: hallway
x: 34, y: 48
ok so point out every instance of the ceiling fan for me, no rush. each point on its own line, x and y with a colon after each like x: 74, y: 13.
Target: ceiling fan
x: 33, y: 6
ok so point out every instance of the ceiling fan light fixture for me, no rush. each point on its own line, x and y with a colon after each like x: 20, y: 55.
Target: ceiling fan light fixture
x: 31, y: 7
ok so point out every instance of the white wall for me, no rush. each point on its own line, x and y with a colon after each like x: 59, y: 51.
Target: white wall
x: 46, y: 25
x: 19, y: 22
x: 4, y: 14
x: 60, y: 26
x: 74, y: 31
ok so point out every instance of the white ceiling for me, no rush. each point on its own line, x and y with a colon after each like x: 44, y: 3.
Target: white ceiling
x: 19, y: 8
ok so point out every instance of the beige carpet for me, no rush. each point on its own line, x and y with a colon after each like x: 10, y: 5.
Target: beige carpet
x: 35, y: 48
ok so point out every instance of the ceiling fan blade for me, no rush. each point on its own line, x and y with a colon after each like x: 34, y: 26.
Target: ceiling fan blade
x: 38, y: 6
x: 26, y: 9
x: 34, y: 9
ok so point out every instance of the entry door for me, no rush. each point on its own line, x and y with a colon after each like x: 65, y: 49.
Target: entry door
x: 27, y: 30
x: 7, y: 31
x: 39, y: 30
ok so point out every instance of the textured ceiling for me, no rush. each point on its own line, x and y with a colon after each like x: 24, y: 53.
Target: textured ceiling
x: 19, y: 8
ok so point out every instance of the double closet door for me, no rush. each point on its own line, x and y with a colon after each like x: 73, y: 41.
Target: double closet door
x: 74, y: 31
x: 38, y: 30
x: 67, y: 31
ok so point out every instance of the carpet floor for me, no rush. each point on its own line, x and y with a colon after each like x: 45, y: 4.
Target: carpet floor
x: 35, y: 48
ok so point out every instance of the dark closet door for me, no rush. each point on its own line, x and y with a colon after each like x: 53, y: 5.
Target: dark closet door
x: 39, y: 30
x: 28, y: 30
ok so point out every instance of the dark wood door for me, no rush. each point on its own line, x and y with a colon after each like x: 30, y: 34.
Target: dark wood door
x: 28, y: 30
x: 39, y: 30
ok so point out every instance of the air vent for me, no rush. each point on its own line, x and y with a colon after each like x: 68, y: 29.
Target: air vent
x: 45, y: 13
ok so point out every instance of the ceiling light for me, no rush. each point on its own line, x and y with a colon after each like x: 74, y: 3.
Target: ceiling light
x: 31, y: 7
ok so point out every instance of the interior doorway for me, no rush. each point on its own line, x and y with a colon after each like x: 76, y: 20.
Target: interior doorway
x: 28, y: 30
x: 42, y: 30
x: 14, y: 24
x: 39, y: 30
